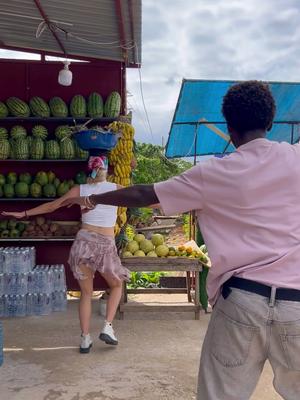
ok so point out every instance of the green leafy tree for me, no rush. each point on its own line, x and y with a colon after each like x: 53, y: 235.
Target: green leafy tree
x: 153, y: 166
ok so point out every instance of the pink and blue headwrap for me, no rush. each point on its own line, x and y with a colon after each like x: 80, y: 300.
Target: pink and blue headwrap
x: 96, y: 163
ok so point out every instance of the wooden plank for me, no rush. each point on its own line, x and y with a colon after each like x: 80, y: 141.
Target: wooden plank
x: 163, y: 307
x: 156, y: 228
x: 157, y: 291
x: 165, y: 216
x: 162, y: 264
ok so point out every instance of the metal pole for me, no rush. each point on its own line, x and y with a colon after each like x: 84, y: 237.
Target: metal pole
x: 292, y: 134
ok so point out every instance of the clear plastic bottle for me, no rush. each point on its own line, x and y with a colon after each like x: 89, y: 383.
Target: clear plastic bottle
x: 1, y: 260
x: 1, y: 284
x: 20, y: 305
x: 2, y: 306
x: 29, y: 304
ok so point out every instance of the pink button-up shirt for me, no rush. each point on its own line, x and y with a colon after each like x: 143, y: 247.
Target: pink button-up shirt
x: 248, y: 209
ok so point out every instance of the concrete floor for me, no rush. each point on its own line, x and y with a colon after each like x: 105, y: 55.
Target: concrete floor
x: 157, y: 359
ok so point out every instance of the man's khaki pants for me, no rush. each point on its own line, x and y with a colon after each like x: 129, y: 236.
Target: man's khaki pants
x: 245, y: 330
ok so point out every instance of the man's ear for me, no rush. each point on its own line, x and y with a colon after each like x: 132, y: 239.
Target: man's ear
x: 229, y: 129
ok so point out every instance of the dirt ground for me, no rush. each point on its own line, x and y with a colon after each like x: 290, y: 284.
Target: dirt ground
x: 157, y: 358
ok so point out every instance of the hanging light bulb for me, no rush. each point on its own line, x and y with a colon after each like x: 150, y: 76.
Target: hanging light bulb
x: 65, y: 75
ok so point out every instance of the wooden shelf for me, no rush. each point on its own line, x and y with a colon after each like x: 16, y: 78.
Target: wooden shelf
x: 28, y: 199
x: 75, y: 160
x: 37, y: 239
x: 54, y: 119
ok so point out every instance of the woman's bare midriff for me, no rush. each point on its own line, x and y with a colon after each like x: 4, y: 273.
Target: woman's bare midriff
x: 107, y: 231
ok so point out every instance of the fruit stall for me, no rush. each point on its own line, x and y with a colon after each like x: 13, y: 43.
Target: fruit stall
x: 40, y: 114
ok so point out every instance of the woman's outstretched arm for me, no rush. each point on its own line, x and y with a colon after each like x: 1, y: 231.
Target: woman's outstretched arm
x: 44, y: 208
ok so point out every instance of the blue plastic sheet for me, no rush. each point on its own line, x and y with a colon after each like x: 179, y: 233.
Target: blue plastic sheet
x: 198, y: 127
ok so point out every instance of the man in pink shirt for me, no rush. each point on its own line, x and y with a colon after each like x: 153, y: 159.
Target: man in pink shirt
x: 248, y: 208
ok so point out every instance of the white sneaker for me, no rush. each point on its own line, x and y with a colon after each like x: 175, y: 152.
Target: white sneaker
x: 108, y: 335
x: 86, y: 344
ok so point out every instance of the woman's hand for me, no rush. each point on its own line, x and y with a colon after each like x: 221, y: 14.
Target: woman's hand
x: 13, y: 214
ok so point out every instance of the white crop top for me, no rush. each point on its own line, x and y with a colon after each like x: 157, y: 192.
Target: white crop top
x: 101, y: 215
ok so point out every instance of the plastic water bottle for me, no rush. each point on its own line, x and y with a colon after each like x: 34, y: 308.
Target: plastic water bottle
x: 29, y: 304
x: 1, y: 345
x: 59, y: 277
x: 20, y: 305
x: 2, y: 307
x: 1, y: 260
x: 11, y: 305
x: 1, y: 284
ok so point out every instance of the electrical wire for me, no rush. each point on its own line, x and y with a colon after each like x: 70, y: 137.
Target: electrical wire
x: 54, y: 27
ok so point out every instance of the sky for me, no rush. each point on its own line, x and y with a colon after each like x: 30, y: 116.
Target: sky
x: 209, y: 39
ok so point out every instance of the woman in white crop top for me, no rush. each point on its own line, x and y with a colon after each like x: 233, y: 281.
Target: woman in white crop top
x: 93, y: 250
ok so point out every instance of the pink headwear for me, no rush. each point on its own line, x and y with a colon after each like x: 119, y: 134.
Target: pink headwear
x: 99, y: 162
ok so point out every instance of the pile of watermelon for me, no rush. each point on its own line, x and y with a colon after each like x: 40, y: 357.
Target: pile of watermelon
x: 43, y: 184
x: 17, y: 144
x: 79, y: 107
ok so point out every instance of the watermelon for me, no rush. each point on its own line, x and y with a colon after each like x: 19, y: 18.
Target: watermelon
x: 67, y: 149
x: 12, y: 144
x: 22, y: 189
x: 2, y: 180
x: 3, y: 110
x: 35, y: 190
x: 112, y: 105
x: 95, y: 105
x: 79, y: 152
x: 17, y: 107
x: 37, y: 149
x: 40, y: 131
x: 3, y: 133
x: 8, y: 190
x: 29, y: 141
x: 39, y: 107
x: 4, y: 149
x: 49, y: 190
x: 78, y: 106
x: 58, y: 107
x: 25, y: 177
x: 52, y: 150
x: 1, y: 195
x: 17, y: 132
x: 21, y: 149
x: 63, y: 131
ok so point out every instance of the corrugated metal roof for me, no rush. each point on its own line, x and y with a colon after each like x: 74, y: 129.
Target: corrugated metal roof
x: 199, y: 128
x: 85, y: 21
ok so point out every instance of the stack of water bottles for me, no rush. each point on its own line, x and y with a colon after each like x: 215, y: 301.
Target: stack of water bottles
x: 29, y: 289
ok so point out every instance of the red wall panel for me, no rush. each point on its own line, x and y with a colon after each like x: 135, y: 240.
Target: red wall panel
x: 25, y: 79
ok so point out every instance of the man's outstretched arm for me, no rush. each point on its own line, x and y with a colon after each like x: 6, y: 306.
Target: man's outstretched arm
x: 132, y: 196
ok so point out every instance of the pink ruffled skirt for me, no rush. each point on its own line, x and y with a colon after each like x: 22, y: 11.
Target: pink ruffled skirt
x: 97, y: 252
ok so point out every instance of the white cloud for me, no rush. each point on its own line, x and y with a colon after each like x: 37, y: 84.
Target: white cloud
x: 204, y: 39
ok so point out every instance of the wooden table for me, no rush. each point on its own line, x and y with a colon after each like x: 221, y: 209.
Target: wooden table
x: 149, y: 264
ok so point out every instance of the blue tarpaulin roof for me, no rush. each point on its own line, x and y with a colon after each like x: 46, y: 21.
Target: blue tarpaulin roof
x: 198, y: 127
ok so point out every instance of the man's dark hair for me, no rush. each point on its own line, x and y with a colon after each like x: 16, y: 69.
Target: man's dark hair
x: 249, y: 106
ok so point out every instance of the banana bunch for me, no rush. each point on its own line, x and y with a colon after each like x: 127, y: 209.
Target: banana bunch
x: 120, y: 159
